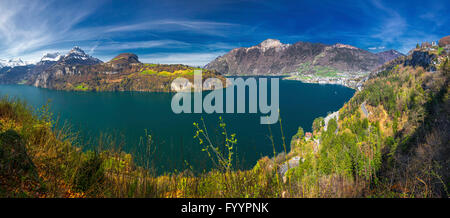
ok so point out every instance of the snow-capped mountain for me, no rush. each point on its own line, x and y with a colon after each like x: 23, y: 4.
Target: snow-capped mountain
x: 72, y: 63
x: 15, y: 62
x: 78, y: 56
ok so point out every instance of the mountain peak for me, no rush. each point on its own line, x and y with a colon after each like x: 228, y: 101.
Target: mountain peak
x: 77, y: 56
x: 125, y: 58
x: 270, y: 43
x: 77, y: 50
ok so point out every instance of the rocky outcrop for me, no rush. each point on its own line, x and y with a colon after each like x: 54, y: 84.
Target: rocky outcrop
x: 421, y: 58
x: 444, y: 41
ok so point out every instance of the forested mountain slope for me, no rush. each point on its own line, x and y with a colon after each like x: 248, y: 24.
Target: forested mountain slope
x: 399, y: 148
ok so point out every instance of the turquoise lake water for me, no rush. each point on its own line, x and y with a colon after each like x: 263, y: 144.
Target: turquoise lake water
x: 127, y: 115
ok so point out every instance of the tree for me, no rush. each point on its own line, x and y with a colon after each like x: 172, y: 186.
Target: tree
x: 332, y: 126
x: 300, y: 133
x: 318, y: 123
x: 298, y: 136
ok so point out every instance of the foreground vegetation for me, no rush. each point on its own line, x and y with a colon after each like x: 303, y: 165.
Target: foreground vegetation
x: 399, y: 149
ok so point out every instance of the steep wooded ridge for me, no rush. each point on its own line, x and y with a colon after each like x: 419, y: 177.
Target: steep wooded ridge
x: 390, y: 140
x: 81, y: 72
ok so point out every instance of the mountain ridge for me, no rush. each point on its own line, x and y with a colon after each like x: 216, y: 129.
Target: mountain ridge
x: 273, y: 57
x: 305, y: 61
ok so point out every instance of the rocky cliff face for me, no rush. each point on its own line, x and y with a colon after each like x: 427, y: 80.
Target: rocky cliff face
x: 418, y: 57
x: 421, y: 58
x: 273, y: 57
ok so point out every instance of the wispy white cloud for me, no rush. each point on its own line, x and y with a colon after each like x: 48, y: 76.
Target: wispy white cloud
x: 30, y: 28
x: 114, y: 46
x: 26, y: 26
x: 392, y: 25
x: 221, y: 46
x: 376, y: 48
x: 205, y: 27
x: 92, y: 49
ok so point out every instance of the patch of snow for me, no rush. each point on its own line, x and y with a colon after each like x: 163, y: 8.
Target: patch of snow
x: 78, y: 53
x: 339, y: 45
x: 51, y: 57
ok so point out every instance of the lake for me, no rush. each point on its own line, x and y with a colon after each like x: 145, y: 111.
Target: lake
x: 126, y: 116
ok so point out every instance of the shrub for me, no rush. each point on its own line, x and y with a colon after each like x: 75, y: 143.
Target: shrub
x: 90, y: 175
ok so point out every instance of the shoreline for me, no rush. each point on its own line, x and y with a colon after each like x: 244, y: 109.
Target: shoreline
x: 353, y: 83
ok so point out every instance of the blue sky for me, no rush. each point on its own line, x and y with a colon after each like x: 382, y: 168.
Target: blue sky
x: 196, y: 32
